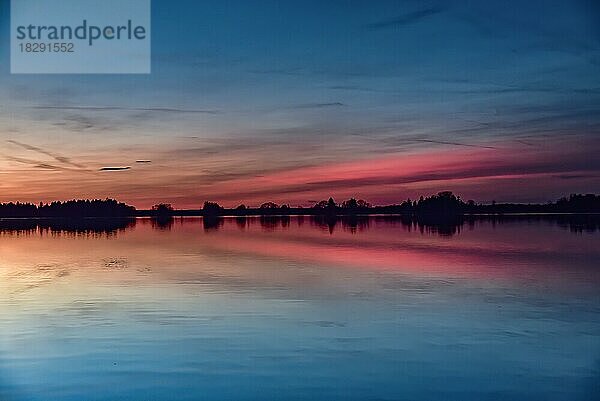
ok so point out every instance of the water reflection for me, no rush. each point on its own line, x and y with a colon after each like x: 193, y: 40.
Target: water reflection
x: 212, y: 223
x: 300, y: 308
x: 90, y: 227
x: 448, y: 226
x: 162, y: 223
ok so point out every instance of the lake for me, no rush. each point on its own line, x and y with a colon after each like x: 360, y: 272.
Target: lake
x: 300, y: 308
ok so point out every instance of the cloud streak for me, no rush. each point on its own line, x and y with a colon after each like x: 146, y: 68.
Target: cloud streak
x: 115, y: 168
x: 319, y: 105
x: 119, y: 108
x: 39, y: 164
x: 55, y: 156
x: 454, y: 143
x: 406, y: 19
x: 373, y: 177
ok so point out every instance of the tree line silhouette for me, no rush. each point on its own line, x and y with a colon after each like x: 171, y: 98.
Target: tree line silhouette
x: 441, y: 205
x: 107, y: 208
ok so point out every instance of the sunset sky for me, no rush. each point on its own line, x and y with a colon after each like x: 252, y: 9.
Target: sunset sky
x: 295, y: 101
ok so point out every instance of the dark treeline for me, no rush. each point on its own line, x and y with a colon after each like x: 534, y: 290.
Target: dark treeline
x: 446, y: 203
x: 107, y: 208
x: 441, y: 205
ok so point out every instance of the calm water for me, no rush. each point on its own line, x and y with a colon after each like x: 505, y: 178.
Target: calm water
x: 296, y: 309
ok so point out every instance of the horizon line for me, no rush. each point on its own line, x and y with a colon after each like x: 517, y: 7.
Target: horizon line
x: 313, y: 203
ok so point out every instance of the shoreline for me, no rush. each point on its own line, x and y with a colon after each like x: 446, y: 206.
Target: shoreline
x: 195, y: 214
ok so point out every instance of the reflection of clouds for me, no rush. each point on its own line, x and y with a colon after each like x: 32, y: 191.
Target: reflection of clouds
x: 387, y: 244
x: 297, y: 261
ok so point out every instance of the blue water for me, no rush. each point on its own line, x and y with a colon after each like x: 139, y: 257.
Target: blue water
x: 296, y: 310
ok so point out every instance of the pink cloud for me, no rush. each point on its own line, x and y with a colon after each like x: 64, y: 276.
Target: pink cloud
x: 506, y: 172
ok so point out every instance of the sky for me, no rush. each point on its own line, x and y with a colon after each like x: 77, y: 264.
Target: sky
x: 296, y: 101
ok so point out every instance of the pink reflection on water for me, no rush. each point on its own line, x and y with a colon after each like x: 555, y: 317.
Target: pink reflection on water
x: 482, y: 250
x: 185, y: 247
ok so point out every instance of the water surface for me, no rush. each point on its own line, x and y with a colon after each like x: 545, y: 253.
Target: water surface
x: 299, y: 309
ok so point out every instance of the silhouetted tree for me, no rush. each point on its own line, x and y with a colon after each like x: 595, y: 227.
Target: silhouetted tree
x: 212, y: 209
x: 162, y: 210
x: 269, y: 205
x: 350, y: 204
x: 320, y: 205
x: 588, y: 203
x: 355, y: 206
x: 326, y: 207
x: 444, y: 203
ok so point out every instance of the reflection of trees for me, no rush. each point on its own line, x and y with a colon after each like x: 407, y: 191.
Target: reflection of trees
x: 452, y: 224
x: 355, y: 223
x: 580, y: 224
x: 271, y: 223
x: 442, y: 225
x: 325, y: 222
x: 162, y: 222
x: 241, y: 222
x: 18, y: 226
x: 162, y: 216
x: 576, y: 223
x: 84, y: 227
x: 212, y: 223
x: 425, y: 224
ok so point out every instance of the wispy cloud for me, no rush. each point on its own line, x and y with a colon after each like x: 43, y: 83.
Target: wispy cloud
x: 454, y: 143
x: 318, y: 105
x: 119, y: 108
x: 39, y: 164
x: 406, y: 19
x: 60, y: 158
x: 477, y: 170
x: 115, y: 168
